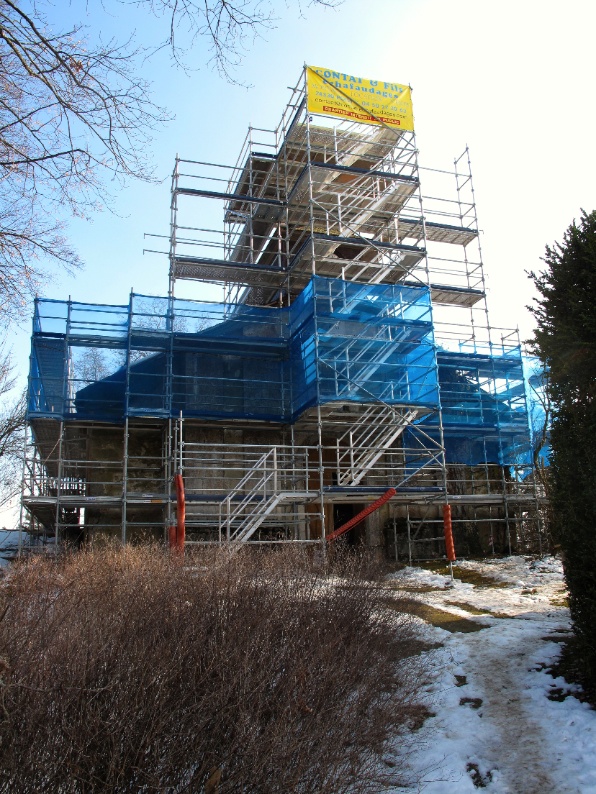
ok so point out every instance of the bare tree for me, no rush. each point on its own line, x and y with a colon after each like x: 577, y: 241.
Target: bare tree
x: 90, y: 365
x: 70, y: 113
x: 540, y: 417
x: 73, y: 112
x: 12, y: 423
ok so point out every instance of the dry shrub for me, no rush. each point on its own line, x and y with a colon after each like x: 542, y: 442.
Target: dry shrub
x: 126, y: 670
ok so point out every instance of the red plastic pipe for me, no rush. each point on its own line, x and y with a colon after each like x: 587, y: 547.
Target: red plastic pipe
x: 362, y: 515
x: 180, y: 515
x: 448, y: 529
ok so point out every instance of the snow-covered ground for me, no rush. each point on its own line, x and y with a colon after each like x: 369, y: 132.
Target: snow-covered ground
x: 495, y: 727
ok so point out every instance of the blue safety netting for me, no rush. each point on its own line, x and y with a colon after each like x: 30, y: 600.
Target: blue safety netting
x: 538, y: 407
x: 338, y: 342
x: 484, y: 410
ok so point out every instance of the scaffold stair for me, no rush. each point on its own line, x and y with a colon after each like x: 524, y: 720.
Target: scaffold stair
x: 367, y: 353
x: 252, y: 500
x: 360, y: 447
x: 253, y: 520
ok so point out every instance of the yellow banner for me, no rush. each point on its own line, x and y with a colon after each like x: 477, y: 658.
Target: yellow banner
x: 358, y: 98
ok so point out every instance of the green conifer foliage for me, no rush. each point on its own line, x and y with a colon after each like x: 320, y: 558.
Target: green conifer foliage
x: 565, y: 341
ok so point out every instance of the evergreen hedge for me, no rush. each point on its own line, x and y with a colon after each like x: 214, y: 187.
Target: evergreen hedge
x: 565, y: 341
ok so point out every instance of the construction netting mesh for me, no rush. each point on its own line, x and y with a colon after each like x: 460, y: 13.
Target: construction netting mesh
x: 339, y: 341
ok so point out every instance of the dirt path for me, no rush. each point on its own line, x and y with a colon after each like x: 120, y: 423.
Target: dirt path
x: 517, y: 746
x: 489, y: 729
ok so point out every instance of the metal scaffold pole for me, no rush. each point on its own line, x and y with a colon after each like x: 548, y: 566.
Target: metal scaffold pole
x: 342, y: 349
x: 173, y: 228
x: 125, y: 481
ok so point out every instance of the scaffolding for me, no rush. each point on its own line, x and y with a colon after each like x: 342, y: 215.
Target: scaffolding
x: 349, y: 351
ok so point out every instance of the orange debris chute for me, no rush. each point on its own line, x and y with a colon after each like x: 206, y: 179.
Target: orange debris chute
x: 362, y: 515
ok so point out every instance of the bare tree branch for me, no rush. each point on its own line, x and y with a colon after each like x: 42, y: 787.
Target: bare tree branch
x: 229, y: 27
x: 74, y: 111
x: 12, y: 424
x: 70, y: 114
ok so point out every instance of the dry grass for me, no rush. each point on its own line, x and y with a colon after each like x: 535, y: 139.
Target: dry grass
x: 440, y: 618
x: 126, y: 670
x: 464, y: 575
x: 469, y: 608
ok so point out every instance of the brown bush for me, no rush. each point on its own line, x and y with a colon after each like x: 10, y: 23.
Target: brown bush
x: 125, y: 670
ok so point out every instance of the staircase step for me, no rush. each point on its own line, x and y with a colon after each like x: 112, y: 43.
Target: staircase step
x: 244, y: 533
x: 364, y: 460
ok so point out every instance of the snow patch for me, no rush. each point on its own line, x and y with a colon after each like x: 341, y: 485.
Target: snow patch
x: 495, y: 727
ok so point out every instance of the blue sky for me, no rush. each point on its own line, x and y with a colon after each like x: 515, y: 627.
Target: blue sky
x: 511, y: 79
